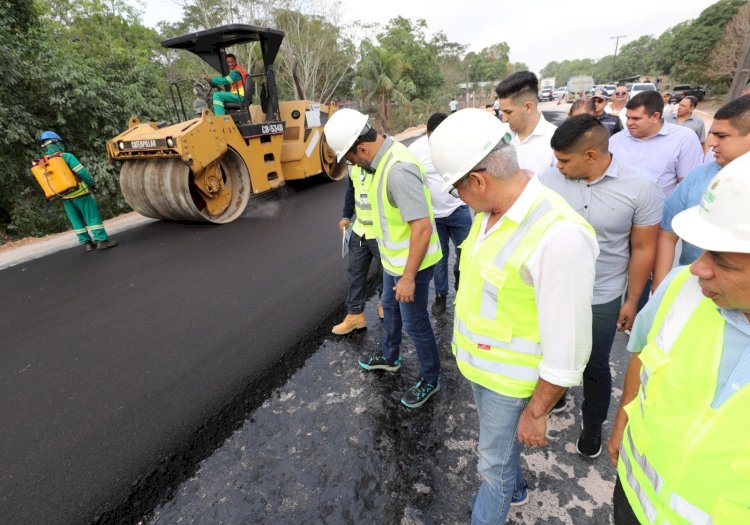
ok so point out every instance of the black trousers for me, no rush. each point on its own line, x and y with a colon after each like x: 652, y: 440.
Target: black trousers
x: 623, y: 512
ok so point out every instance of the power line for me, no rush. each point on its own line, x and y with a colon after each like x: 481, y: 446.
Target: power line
x: 616, y: 38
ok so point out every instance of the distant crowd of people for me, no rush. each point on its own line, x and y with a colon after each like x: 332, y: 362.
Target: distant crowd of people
x: 564, y: 236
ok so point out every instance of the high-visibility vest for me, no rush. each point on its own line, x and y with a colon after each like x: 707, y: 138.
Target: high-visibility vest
x: 363, y: 207
x: 496, y: 329
x: 390, y: 230
x: 682, y: 461
x: 238, y: 87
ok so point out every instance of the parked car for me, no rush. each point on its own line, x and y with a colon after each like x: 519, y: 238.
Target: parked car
x: 558, y: 92
x: 610, y: 89
x: 640, y: 87
x: 683, y: 90
x: 546, y: 94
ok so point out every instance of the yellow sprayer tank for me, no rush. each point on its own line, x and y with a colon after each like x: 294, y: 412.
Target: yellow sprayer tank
x: 54, y: 176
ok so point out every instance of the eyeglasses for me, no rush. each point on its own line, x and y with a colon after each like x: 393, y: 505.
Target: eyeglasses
x: 599, y: 101
x: 621, y: 92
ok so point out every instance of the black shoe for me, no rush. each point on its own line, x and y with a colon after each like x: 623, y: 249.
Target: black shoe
x: 90, y: 246
x: 419, y: 393
x: 105, y: 245
x: 589, y: 444
x: 559, y: 406
x: 376, y: 361
x: 438, y: 307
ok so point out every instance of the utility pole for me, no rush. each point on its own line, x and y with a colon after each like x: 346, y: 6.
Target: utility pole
x: 741, y: 73
x: 616, y: 38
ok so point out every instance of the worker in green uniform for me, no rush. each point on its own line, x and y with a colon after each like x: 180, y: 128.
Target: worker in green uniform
x: 79, y: 204
x: 235, y: 79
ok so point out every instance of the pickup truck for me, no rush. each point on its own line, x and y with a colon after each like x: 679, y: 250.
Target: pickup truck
x: 682, y: 91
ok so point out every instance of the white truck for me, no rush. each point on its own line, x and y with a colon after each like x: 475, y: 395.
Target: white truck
x: 578, y: 87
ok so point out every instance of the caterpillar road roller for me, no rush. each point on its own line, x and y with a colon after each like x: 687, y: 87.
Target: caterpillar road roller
x: 208, y: 167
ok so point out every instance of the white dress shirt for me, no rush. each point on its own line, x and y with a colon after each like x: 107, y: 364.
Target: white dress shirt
x: 535, y: 153
x: 443, y: 203
x: 561, y: 269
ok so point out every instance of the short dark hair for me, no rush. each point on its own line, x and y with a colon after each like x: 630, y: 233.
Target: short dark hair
x: 693, y: 101
x: 587, y: 103
x: 579, y: 133
x: 231, y: 55
x: 435, y: 120
x: 650, y: 101
x: 737, y: 112
x: 518, y: 84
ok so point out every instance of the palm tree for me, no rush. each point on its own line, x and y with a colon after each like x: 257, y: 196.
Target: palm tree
x: 379, y: 75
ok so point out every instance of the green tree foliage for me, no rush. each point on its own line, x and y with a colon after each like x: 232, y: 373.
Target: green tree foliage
x: 79, y: 68
x: 489, y: 65
x: 381, y: 79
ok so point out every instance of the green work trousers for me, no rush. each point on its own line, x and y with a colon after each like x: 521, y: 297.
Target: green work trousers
x: 224, y: 96
x: 82, y: 212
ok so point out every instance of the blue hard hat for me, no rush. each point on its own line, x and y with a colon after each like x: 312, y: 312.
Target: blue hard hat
x: 49, y: 136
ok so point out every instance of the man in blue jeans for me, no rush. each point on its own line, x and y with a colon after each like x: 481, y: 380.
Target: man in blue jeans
x: 452, y: 216
x: 624, y: 206
x: 403, y: 225
x: 522, y: 330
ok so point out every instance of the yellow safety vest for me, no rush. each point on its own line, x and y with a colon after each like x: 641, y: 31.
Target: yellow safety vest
x: 363, y: 207
x: 496, y: 330
x: 682, y: 461
x: 390, y: 230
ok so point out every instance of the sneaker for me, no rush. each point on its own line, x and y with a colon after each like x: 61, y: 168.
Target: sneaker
x: 520, y: 499
x: 589, y: 444
x: 376, y: 361
x: 105, y: 245
x: 381, y: 314
x: 559, y: 406
x: 419, y: 393
x: 438, y: 307
x: 90, y: 246
x: 350, y: 323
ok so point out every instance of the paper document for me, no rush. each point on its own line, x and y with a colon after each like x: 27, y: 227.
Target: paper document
x: 345, y: 236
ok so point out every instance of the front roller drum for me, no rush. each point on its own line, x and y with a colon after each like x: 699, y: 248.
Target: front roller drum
x: 166, y: 189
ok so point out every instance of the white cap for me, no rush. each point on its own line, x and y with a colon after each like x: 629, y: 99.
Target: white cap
x: 721, y: 222
x: 462, y: 140
x: 342, y: 130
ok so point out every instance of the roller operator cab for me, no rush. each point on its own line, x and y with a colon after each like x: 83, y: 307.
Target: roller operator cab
x: 208, y: 167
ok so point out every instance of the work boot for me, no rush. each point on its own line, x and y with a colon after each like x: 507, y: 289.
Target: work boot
x: 90, y: 246
x: 438, y: 307
x: 106, y: 245
x: 350, y: 323
x: 381, y: 314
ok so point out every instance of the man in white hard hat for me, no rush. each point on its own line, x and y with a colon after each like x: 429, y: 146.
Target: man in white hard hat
x: 522, y: 330
x: 404, y: 226
x: 681, y: 439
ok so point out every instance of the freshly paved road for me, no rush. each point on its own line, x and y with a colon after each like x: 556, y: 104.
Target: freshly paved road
x: 109, y: 361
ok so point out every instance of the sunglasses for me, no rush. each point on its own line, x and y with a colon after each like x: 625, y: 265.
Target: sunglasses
x: 621, y: 92
x: 504, y: 141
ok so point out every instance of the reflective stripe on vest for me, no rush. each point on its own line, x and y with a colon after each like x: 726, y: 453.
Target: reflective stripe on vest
x: 238, y: 87
x: 389, y: 228
x: 496, y: 333
x: 83, y: 189
x: 361, y: 182
x: 681, y: 460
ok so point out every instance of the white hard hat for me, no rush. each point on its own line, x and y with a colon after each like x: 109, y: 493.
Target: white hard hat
x: 462, y: 140
x: 721, y: 222
x: 342, y: 130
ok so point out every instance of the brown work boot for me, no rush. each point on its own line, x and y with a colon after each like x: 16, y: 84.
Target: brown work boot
x: 90, y: 246
x: 106, y: 245
x: 350, y: 323
x: 380, y: 310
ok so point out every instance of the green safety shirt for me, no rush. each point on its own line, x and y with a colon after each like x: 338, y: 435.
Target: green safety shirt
x: 76, y: 167
x: 234, y: 79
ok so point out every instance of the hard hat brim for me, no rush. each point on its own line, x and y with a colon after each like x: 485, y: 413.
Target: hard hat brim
x: 693, y: 228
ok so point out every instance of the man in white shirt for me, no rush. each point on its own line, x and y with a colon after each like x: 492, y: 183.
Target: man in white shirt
x: 531, y: 136
x: 452, y: 216
x: 453, y: 105
x: 522, y: 331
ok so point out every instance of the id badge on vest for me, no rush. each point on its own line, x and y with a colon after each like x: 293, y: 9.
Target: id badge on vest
x: 363, y: 199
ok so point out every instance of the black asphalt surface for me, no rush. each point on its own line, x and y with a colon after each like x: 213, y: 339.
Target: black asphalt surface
x: 111, y: 361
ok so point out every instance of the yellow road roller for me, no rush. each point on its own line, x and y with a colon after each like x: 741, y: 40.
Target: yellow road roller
x: 208, y: 167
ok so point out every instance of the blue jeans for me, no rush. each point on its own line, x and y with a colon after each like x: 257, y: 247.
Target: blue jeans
x: 499, y: 455
x: 455, y: 227
x: 414, y: 318
x: 362, y: 252
x: 597, y: 377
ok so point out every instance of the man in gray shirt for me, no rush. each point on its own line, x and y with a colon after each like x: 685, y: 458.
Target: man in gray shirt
x: 625, y: 208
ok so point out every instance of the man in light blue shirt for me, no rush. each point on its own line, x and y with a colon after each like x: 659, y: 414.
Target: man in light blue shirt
x: 625, y: 209
x: 664, y: 151
x: 729, y: 138
x: 720, y: 225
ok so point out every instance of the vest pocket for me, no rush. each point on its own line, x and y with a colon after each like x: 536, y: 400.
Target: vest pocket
x: 501, y: 331
x: 493, y: 275
x: 652, y: 358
